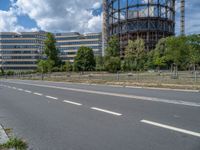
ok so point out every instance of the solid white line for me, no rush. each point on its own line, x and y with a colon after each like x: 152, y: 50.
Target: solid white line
x: 106, y: 111
x: 135, y: 97
x: 27, y: 91
x: 171, y: 128
x: 52, y: 97
x: 70, y: 102
x: 39, y: 94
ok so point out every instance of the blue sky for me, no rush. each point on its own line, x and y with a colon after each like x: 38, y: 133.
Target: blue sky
x: 70, y: 15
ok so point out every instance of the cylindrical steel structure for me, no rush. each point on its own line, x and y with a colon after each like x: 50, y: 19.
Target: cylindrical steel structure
x: 150, y: 20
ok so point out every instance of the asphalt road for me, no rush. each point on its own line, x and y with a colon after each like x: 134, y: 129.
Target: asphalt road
x: 60, y: 116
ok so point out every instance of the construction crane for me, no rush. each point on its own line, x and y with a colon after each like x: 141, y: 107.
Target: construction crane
x: 104, y: 26
x: 182, y: 17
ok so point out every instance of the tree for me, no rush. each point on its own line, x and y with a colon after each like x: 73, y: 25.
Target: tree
x: 113, y: 48
x: 159, y: 58
x: 68, y: 66
x: 50, y: 49
x: 112, y: 58
x: 113, y: 65
x: 194, y: 50
x: 99, y: 63
x: 45, y: 66
x: 176, y: 49
x: 135, y: 52
x: 84, y: 60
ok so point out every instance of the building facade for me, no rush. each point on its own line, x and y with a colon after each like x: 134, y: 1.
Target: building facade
x: 149, y: 20
x: 69, y: 43
x: 21, y: 51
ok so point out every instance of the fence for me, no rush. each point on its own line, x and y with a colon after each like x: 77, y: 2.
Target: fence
x: 164, y: 77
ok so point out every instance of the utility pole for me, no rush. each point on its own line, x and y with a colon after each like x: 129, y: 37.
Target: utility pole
x: 105, y: 26
x: 182, y: 17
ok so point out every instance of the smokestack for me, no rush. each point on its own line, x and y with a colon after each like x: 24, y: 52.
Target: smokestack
x: 182, y: 17
x: 105, y: 26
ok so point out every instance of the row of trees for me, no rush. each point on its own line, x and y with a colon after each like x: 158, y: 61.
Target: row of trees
x: 181, y: 52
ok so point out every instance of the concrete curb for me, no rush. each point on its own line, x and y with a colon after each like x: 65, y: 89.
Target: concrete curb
x: 3, y: 136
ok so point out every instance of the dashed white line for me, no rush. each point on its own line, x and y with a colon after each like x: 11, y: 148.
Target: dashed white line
x: 27, y: 91
x: 171, y: 128
x: 106, y: 111
x: 39, y: 94
x: 20, y: 89
x: 52, y: 97
x: 135, y: 97
x: 14, y: 88
x: 70, y: 102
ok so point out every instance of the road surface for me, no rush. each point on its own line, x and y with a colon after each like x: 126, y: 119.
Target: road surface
x: 64, y: 116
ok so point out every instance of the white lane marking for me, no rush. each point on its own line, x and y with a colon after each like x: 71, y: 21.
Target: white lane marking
x: 14, y: 88
x: 106, y: 111
x: 171, y: 128
x: 70, y: 102
x: 135, y: 97
x: 52, y: 97
x: 39, y: 94
x: 20, y: 89
x: 27, y: 91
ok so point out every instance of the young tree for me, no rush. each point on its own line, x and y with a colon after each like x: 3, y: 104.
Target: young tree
x: 84, y: 60
x: 159, y: 58
x: 68, y: 66
x: 135, y: 52
x: 112, y: 58
x: 99, y: 63
x: 194, y: 50
x: 113, y: 48
x: 176, y: 50
x: 113, y: 65
x: 50, y: 49
x: 45, y: 66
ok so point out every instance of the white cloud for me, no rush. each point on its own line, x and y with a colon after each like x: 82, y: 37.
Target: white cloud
x: 62, y: 15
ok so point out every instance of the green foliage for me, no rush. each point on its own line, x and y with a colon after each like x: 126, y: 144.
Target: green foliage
x: 113, y: 64
x: 99, y: 63
x: 113, y: 48
x: 135, y: 54
x: 194, y: 49
x: 177, y: 50
x: 159, y: 58
x: 50, y: 49
x: 16, y: 143
x: 84, y: 60
x: 45, y: 66
x: 10, y: 73
x: 112, y: 58
x: 68, y: 66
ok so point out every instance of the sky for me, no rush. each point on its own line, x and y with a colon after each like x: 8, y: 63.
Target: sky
x: 82, y: 16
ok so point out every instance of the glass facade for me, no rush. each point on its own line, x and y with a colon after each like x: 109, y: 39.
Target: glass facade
x: 20, y: 51
x: 69, y: 43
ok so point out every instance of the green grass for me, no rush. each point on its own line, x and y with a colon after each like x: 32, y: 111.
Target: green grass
x: 16, y: 143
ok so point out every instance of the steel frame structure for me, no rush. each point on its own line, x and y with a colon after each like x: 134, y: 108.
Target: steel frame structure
x: 150, y: 20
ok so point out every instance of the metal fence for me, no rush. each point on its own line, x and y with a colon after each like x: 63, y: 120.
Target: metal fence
x: 165, y: 77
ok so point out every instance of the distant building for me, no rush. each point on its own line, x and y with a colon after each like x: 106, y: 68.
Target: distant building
x: 20, y: 51
x: 69, y: 43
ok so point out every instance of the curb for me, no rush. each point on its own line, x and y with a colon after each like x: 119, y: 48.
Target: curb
x: 3, y: 136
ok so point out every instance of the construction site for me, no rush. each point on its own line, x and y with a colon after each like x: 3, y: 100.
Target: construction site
x: 149, y: 20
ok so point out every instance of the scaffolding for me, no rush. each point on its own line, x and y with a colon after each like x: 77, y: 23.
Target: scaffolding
x: 150, y: 20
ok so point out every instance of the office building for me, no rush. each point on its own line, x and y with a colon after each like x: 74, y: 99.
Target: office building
x: 69, y: 43
x: 21, y: 51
